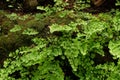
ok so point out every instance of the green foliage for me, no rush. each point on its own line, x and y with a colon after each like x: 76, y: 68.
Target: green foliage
x: 30, y: 31
x: 84, y: 48
x: 114, y: 47
x: 14, y: 16
x: 16, y: 28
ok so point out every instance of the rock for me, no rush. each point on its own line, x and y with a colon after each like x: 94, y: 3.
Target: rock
x: 29, y: 5
x: 103, y: 3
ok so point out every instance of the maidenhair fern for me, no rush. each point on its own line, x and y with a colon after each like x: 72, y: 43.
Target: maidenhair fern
x: 16, y: 28
x: 114, y: 47
x: 70, y: 51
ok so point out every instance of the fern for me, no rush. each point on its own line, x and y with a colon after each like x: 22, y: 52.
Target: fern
x: 114, y: 47
x: 71, y: 50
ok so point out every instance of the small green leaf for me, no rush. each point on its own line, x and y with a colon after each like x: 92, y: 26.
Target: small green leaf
x: 12, y: 16
x: 114, y: 47
x: 40, y: 8
x: 56, y: 27
x: 83, y: 49
x: 16, y: 28
x: 30, y: 31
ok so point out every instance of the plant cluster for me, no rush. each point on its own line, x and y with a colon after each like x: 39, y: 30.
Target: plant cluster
x: 85, y: 47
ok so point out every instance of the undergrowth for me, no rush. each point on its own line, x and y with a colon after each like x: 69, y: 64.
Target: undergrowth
x: 85, y: 48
